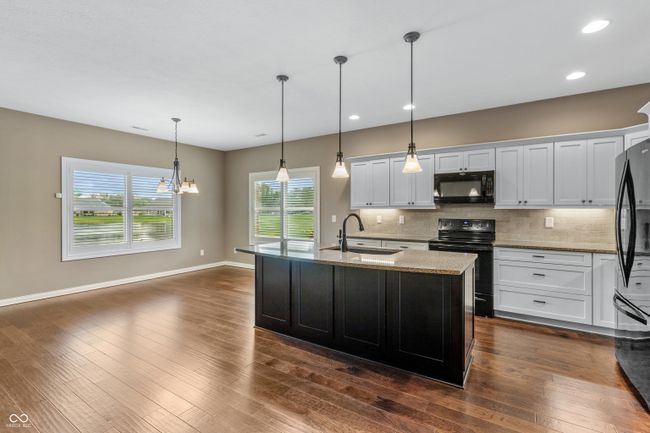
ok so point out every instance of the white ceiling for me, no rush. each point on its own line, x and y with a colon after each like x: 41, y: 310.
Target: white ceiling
x: 213, y: 63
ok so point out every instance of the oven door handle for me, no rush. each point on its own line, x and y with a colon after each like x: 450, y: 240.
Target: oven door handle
x: 457, y: 247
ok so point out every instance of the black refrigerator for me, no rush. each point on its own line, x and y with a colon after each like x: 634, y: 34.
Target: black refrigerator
x: 632, y: 294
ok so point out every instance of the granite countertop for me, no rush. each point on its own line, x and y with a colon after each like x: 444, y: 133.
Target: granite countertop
x: 583, y: 247
x: 392, y: 236
x: 429, y: 262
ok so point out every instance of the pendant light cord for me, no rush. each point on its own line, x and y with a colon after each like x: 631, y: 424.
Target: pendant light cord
x: 176, y: 140
x: 412, y: 107
x: 282, y: 121
x: 340, y: 99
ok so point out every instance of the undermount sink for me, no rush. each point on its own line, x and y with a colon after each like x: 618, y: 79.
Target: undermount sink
x: 373, y: 251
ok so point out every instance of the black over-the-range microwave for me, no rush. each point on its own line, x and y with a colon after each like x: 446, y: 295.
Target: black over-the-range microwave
x: 464, y: 187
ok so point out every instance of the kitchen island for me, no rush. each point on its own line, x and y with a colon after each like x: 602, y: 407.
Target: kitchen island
x: 410, y: 309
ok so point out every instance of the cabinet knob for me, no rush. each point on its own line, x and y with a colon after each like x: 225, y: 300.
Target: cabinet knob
x: 519, y: 202
x: 590, y: 201
x: 584, y: 201
x: 525, y: 201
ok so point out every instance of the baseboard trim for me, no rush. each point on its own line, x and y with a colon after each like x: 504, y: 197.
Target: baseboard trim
x: 555, y: 323
x: 94, y: 286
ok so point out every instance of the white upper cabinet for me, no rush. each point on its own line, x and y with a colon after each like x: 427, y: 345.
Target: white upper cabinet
x: 601, y: 167
x: 411, y: 190
x: 509, y: 176
x: 479, y: 160
x: 369, y: 183
x: 604, y: 284
x: 584, y: 171
x: 571, y: 172
x: 524, y: 176
x: 471, y: 160
x: 633, y: 138
x: 538, y: 174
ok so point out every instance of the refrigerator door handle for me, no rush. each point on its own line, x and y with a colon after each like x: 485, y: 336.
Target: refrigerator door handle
x: 619, y: 214
x: 631, y: 244
x: 625, y: 259
x: 629, y: 314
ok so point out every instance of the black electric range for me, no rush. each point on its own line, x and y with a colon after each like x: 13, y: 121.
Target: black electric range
x: 471, y: 236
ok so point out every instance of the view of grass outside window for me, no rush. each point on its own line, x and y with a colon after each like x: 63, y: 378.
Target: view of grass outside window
x: 114, y: 210
x: 284, y: 210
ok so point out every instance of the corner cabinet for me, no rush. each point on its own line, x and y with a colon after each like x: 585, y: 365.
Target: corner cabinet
x: 524, y: 176
x: 584, y: 171
x: 412, y: 190
x: 369, y: 183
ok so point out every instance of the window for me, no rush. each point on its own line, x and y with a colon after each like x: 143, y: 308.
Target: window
x: 111, y: 209
x: 284, y: 211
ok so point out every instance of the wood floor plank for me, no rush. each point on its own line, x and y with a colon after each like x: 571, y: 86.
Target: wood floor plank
x: 181, y: 354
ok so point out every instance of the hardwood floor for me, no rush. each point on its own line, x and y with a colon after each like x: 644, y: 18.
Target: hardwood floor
x: 180, y: 354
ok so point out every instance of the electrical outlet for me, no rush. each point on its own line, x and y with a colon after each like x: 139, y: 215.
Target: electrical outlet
x: 333, y: 218
x: 201, y: 252
x: 401, y: 219
x: 379, y: 219
x: 549, y: 222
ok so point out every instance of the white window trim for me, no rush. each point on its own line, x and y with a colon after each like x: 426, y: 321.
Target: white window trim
x: 270, y: 175
x: 68, y: 253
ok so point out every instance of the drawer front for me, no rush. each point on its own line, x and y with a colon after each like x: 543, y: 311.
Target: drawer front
x: 400, y: 245
x: 638, y: 286
x: 641, y: 264
x: 555, y: 278
x: 543, y: 256
x: 373, y: 243
x: 540, y: 304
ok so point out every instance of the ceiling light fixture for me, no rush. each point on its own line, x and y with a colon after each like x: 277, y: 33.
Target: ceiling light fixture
x: 283, y: 174
x: 340, y: 172
x: 408, y: 107
x: 595, y: 26
x: 411, y: 164
x: 576, y: 75
x: 354, y: 117
x: 175, y: 184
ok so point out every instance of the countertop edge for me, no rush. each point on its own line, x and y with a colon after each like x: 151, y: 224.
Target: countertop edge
x: 577, y: 249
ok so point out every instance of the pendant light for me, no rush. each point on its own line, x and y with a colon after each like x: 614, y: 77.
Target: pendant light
x: 340, y: 172
x: 175, y: 184
x: 283, y: 174
x: 411, y: 165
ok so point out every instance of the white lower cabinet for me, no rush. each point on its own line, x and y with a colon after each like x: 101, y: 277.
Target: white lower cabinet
x: 408, y: 245
x: 560, y: 285
x: 369, y: 243
x: 605, y: 266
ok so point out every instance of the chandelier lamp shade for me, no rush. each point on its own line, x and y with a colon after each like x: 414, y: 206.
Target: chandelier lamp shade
x: 411, y: 164
x: 340, y: 172
x: 175, y: 184
x: 283, y: 174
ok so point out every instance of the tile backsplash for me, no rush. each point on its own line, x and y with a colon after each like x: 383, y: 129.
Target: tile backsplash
x: 579, y: 225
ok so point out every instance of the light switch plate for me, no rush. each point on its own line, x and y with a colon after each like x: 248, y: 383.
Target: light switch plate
x: 379, y: 219
x: 58, y: 195
x: 549, y: 222
x: 333, y: 218
x: 202, y: 252
x: 401, y: 219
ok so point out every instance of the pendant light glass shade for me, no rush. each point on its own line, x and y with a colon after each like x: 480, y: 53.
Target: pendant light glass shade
x: 411, y: 164
x: 193, y: 188
x: 162, y: 186
x: 340, y: 172
x: 283, y: 174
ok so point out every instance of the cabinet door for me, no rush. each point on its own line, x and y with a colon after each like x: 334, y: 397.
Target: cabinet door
x: 451, y: 162
x: 603, y: 290
x: 601, y: 177
x: 401, y: 184
x: 312, y: 297
x: 571, y: 173
x: 636, y: 137
x: 538, y: 174
x: 423, y: 182
x: 380, y: 182
x: 360, y: 311
x: 479, y: 160
x: 272, y: 293
x: 359, y: 184
x: 509, y: 176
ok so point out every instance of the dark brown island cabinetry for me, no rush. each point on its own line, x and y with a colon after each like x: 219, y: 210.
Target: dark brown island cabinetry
x: 420, y: 322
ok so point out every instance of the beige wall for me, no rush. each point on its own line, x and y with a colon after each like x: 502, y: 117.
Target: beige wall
x: 586, y: 112
x: 30, y: 231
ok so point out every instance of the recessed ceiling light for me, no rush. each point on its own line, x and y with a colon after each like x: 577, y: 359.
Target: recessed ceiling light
x: 575, y: 75
x: 263, y: 134
x: 354, y: 117
x: 409, y: 107
x: 140, y: 128
x: 595, y: 26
